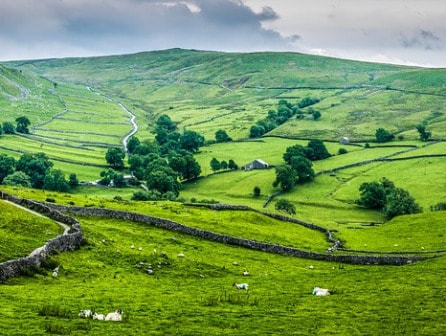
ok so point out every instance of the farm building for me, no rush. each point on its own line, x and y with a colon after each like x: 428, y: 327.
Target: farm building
x: 256, y: 164
x: 344, y: 141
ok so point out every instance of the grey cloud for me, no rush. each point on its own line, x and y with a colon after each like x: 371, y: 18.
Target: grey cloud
x: 422, y: 39
x: 123, y: 26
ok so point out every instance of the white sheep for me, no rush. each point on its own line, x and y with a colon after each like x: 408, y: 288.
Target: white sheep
x: 245, y: 273
x: 54, y: 275
x: 180, y: 255
x: 321, y: 291
x: 85, y: 313
x: 100, y: 317
x: 132, y: 247
x: 116, y: 316
x: 311, y: 267
x: 241, y: 286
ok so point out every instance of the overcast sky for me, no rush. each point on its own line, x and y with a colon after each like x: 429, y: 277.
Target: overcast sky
x: 394, y: 31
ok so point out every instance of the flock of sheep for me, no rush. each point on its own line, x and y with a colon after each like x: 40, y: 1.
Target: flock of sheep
x: 116, y: 316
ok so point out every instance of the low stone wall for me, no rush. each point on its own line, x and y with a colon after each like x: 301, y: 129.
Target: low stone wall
x: 231, y: 240
x: 68, y: 241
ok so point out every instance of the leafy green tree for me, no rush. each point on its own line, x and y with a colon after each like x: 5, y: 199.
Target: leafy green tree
x: 1, y: 130
x: 132, y: 144
x: 307, y: 101
x: 285, y: 178
x: 256, y: 191
x: 22, y: 124
x: 118, y: 180
x: 342, y: 151
x: 18, y: 178
x: 191, y: 141
x: 35, y: 166
x: 7, y: 165
x: 373, y: 195
x: 164, y: 180
x: 222, y: 136
x: 165, y: 122
x: 382, y: 135
x: 186, y: 166
x: 400, y: 202
x: 106, y: 177
x: 115, y: 157
x: 8, y: 128
x: 424, y: 134
x: 290, y: 152
x: 316, y: 115
x: 223, y: 165
x: 303, y: 168
x: 256, y: 131
x: 73, y: 181
x: 215, y: 165
x: 232, y: 165
x: 286, y: 206
x: 316, y: 150
x: 140, y: 196
x: 55, y: 180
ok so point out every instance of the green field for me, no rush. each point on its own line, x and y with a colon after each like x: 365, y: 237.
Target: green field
x: 75, y: 120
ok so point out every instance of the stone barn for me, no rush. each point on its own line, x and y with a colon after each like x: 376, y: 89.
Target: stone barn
x: 256, y: 164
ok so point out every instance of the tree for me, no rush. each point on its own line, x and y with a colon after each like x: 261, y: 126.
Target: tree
x: 256, y: 191
x: 164, y: 180
x: 316, y: 150
x: 106, y: 177
x: 290, y: 152
x: 35, y: 166
x: 256, y: 131
x: 342, y: 151
x: 165, y: 122
x: 132, y: 144
x: 400, y: 202
x: 73, y: 181
x: 382, y: 135
x: 215, y: 165
x: 22, y: 124
x: 186, y: 166
x: 373, y: 195
x: 232, y: 165
x: 8, y: 128
x: 222, y: 136
x: 224, y: 165
x: 316, y: 115
x: 285, y: 178
x: 118, y: 180
x: 7, y: 165
x: 115, y: 157
x: 191, y: 141
x: 18, y: 179
x: 303, y: 169
x: 424, y: 135
x: 286, y: 206
x: 55, y: 180
x: 1, y: 130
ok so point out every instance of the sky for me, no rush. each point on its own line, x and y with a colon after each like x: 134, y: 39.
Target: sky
x: 410, y: 32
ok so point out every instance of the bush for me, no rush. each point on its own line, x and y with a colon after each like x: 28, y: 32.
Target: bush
x: 367, y: 145
x: 117, y: 198
x: 140, y: 196
x: 256, y: 191
x: 342, y: 151
x: 50, y: 200
x: 438, y: 207
x: 286, y: 206
x: 400, y: 202
x: 382, y: 135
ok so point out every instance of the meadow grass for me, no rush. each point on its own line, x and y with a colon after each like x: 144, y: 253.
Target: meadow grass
x: 22, y: 232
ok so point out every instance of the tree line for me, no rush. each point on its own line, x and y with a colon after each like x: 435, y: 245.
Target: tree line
x: 22, y: 124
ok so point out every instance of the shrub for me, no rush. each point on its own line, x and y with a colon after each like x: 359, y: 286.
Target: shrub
x: 342, y: 151
x: 438, y: 207
x: 117, y: 198
x: 286, y: 206
x: 140, y: 196
x: 50, y: 200
x: 256, y: 191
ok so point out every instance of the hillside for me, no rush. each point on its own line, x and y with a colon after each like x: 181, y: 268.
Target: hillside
x: 206, y: 91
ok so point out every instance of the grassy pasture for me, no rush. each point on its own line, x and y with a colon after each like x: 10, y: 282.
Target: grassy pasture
x: 193, y: 295
x: 22, y: 232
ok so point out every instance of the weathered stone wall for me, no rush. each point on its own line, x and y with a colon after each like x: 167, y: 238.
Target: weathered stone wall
x: 231, y: 240
x: 68, y: 241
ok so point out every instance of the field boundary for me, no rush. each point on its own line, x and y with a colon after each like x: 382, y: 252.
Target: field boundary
x: 69, y: 240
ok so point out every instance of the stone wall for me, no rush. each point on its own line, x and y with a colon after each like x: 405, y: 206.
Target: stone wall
x: 231, y: 240
x: 68, y: 241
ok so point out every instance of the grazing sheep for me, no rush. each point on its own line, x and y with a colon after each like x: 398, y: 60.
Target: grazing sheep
x: 54, y: 275
x: 139, y: 248
x: 241, y: 286
x: 311, y: 267
x: 245, y: 273
x: 235, y: 263
x: 100, y: 317
x: 85, y: 313
x: 180, y: 255
x: 116, y: 316
x: 321, y: 291
x: 132, y: 247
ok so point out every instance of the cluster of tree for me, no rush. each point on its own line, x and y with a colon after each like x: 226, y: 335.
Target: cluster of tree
x: 311, y: 111
x: 383, y: 135
x: 275, y: 118
x: 161, y: 164
x: 307, y: 101
x: 383, y: 195
x: 223, y: 165
x: 34, y: 170
x: 22, y: 126
x: 424, y: 134
x: 315, y: 150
